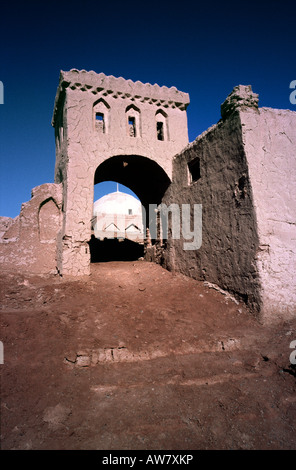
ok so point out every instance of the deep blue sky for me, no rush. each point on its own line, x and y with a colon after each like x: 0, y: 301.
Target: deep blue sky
x: 202, y: 48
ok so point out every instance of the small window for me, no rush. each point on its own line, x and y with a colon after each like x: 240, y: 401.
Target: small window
x: 132, y: 126
x: 130, y: 211
x: 101, y: 111
x: 161, y: 121
x: 194, y: 170
x: 100, y: 122
x: 159, y: 129
x: 133, y: 121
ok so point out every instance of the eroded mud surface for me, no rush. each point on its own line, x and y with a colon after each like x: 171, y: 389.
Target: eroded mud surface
x: 135, y: 357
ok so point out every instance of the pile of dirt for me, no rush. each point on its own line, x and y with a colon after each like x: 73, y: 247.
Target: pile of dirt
x: 136, y: 357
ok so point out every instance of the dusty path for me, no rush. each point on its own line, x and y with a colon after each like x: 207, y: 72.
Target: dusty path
x: 135, y: 357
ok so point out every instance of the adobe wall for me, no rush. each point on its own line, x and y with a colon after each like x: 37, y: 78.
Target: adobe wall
x: 270, y: 147
x: 5, y: 223
x: 247, y: 191
x: 229, y: 233
x: 29, y: 242
x: 83, y: 142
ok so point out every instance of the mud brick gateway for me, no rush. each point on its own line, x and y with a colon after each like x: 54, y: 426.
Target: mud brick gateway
x: 242, y: 170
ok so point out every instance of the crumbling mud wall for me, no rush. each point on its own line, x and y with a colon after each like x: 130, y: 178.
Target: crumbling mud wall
x: 29, y: 242
x: 242, y: 171
x: 220, y: 182
x: 269, y: 138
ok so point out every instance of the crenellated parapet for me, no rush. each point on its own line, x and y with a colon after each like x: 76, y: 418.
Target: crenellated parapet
x: 110, y: 86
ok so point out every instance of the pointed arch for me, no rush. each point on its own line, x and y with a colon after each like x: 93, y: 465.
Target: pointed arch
x: 101, y: 116
x: 48, y: 220
x: 162, y: 129
x: 133, y: 121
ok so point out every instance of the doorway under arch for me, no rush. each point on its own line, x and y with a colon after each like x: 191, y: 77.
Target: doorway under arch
x: 148, y: 181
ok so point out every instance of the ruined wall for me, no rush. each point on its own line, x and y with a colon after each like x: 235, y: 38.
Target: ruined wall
x: 242, y: 171
x: 5, y: 223
x: 97, y: 117
x: 229, y: 235
x: 270, y: 146
x: 30, y: 242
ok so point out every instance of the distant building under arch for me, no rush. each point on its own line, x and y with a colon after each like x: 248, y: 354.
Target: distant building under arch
x: 118, y: 215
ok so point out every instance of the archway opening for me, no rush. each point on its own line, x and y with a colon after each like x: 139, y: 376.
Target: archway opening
x: 122, y: 236
x: 117, y: 224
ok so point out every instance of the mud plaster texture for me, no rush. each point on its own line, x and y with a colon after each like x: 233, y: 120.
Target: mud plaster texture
x: 136, y: 357
x: 29, y: 242
x: 270, y: 146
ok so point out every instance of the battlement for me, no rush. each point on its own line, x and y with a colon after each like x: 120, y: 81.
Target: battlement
x: 110, y: 86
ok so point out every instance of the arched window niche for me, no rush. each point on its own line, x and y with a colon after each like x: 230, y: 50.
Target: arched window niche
x: 101, y: 116
x: 133, y: 123
x: 161, y: 118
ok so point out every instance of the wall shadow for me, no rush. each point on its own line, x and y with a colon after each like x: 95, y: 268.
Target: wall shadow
x: 114, y: 250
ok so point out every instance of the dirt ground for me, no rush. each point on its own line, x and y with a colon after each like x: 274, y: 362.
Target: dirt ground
x: 136, y: 357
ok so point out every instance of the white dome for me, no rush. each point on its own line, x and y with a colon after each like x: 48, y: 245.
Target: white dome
x: 118, y: 203
x: 118, y: 215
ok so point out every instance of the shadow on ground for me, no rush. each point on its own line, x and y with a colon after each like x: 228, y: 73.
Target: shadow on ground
x: 115, y: 250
